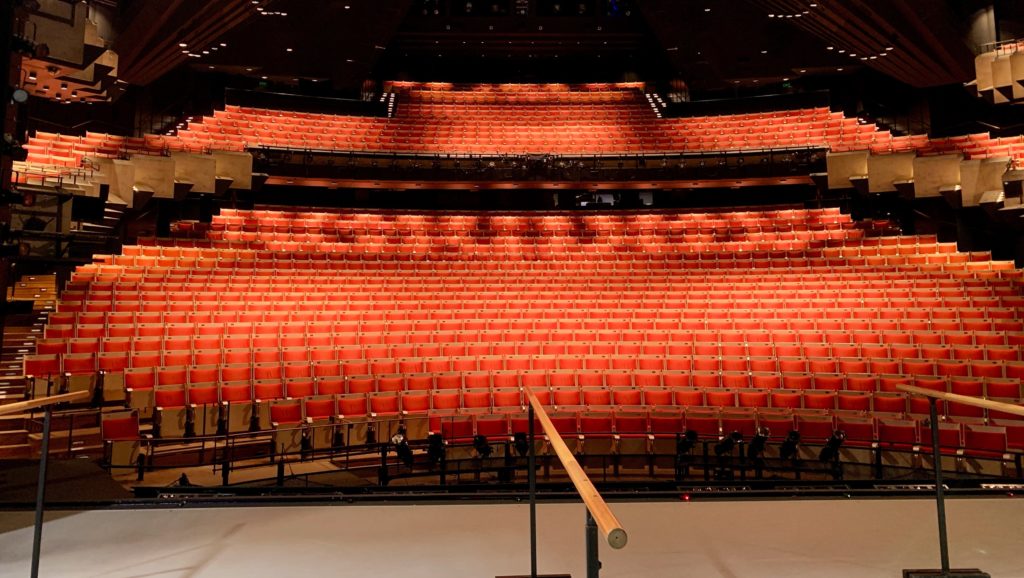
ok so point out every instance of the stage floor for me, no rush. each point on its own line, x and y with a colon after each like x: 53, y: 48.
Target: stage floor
x: 791, y: 539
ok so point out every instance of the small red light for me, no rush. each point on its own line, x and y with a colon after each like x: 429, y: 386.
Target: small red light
x: 686, y: 497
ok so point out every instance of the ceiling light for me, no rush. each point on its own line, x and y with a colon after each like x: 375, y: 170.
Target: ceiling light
x: 830, y: 48
x: 287, y: 49
x: 224, y: 44
x: 248, y: 70
x: 840, y: 69
x: 764, y: 52
x: 206, y: 52
x: 263, y: 77
x: 211, y: 67
x: 890, y: 48
x: 184, y: 51
x: 803, y: 70
x: 183, y: 44
x: 347, y: 7
x: 63, y: 86
x: 32, y: 75
x: 707, y: 10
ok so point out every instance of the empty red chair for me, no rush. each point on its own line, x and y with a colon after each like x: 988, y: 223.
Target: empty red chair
x: 897, y: 432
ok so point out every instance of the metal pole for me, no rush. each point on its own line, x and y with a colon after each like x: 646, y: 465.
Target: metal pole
x: 37, y: 538
x: 531, y: 476
x: 593, y: 563
x: 940, y: 500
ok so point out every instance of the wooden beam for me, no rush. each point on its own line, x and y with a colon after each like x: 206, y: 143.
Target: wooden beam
x: 607, y: 523
x: 22, y: 406
x: 964, y: 399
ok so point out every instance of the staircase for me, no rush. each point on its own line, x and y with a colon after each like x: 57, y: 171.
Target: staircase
x: 29, y: 302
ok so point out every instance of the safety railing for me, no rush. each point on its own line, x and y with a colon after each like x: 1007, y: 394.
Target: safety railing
x: 933, y: 398
x: 599, y: 515
x: 47, y: 403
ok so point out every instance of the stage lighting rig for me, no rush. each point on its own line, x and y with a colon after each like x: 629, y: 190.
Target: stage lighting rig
x: 789, y: 445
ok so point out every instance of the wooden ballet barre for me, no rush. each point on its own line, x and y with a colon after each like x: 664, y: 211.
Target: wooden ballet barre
x: 606, y: 521
x: 43, y: 402
x: 964, y: 399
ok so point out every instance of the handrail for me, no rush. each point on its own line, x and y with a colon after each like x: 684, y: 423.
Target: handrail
x: 606, y: 520
x: 44, y: 401
x: 965, y: 399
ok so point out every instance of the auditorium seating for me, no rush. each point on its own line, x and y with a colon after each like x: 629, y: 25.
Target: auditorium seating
x: 513, y: 119
x: 793, y: 319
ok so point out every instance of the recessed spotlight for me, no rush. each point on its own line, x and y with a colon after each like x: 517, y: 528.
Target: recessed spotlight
x: 248, y: 70
x: 764, y: 52
x: 840, y: 69
x: 206, y: 52
x: 830, y: 48
x: 224, y: 44
x: 32, y: 75
x: 63, y: 86
x: 184, y: 51
x: 263, y: 77
x: 707, y: 10
x: 347, y: 7
x: 785, y: 79
x: 803, y: 70
x: 211, y: 67
x: 889, y: 48
x: 288, y: 50
x: 183, y: 44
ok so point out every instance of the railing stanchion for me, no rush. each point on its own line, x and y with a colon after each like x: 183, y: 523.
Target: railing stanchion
x: 531, y: 476
x: 37, y: 536
x: 940, y: 497
x: 593, y: 562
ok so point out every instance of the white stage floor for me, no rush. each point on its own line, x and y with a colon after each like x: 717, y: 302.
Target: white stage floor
x: 791, y: 539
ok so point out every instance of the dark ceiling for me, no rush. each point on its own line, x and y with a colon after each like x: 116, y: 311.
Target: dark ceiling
x: 709, y: 44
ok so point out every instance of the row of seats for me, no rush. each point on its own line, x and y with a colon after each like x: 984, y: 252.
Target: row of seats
x: 704, y: 371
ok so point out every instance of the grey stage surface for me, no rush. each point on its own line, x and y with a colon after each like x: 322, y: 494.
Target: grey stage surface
x: 791, y: 539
